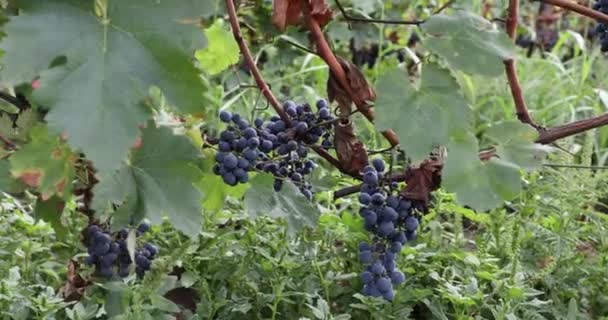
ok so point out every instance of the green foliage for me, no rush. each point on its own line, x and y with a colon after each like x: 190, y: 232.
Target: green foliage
x: 468, y: 42
x: 96, y: 95
x: 289, y: 203
x: 157, y: 182
x: 222, y: 51
x: 423, y: 119
x: 481, y: 185
x: 46, y: 163
x: 531, y: 248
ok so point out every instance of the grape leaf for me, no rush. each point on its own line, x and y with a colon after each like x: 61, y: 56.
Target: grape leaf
x: 515, y: 144
x: 480, y: 185
x: 7, y: 183
x: 24, y: 123
x: 289, y: 203
x: 469, y: 42
x: 50, y: 211
x: 97, y: 95
x: 46, y: 163
x: 425, y: 118
x: 159, y: 180
x: 365, y: 5
x: 222, y: 51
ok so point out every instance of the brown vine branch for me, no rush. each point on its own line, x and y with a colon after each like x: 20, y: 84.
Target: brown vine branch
x: 259, y: 79
x: 261, y: 83
x: 324, y: 51
x: 354, y: 189
x: 553, y: 134
x: 384, y: 21
x: 547, y: 136
x: 511, y: 71
x: 550, y: 135
x: 582, y: 10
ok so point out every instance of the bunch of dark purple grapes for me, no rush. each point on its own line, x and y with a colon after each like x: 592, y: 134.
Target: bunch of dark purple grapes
x: 240, y: 147
x: 601, y: 30
x: 392, y: 221
x: 277, y: 147
x: 109, y: 254
x: 305, y: 128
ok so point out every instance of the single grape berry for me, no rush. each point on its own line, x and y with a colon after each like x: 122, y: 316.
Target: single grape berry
x: 411, y: 223
x: 378, y: 164
x: 225, y: 116
x: 397, y: 277
x: 384, y: 284
x: 370, y: 177
x: 377, y: 268
x: 367, y: 277
x: 365, y: 257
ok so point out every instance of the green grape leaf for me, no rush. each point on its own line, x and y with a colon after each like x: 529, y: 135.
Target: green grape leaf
x: 515, y: 144
x: 7, y: 183
x: 480, y: 185
x: 365, y: 5
x: 222, y: 52
x: 157, y: 182
x: 469, y: 42
x: 289, y: 203
x: 97, y: 94
x: 46, y: 163
x: 25, y: 121
x: 425, y: 118
x: 213, y: 198
x: 50, y: 211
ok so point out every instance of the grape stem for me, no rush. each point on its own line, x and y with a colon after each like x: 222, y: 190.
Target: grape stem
x: 400, y: 177
x: 261, y: 83
x: 324, y: 51
x: 575, y: 7
x: 385, y: 21
x: 259, y: 79
x: 367, y: 20
x: 511, y: 71
x: 550, y: 135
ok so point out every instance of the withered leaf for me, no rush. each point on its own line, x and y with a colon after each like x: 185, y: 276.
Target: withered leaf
x: 351, y: 152
x: 286, y: 13
x: 423, y: 180
x: 289, y: 12
x: 360, y: 88
x: 74, y: 288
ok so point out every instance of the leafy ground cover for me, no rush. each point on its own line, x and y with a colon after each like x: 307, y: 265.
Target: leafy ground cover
x: 517, y: 231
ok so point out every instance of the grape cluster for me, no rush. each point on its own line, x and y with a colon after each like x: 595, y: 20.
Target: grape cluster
x: 276, y: 146
x: 392, y: 221
x: 305, y: 128
x: 239, y: 149
x: 109, y: 254
x: 602, y: 28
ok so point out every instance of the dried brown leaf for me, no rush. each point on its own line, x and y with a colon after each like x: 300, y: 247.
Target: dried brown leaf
x: 359, y: 87
x: 423, y: 180
x: 74, y: 288
x: 286, y: 13
x: 351, y: 152
x: 289, y: 13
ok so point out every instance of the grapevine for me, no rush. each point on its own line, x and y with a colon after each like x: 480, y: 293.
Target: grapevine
x: 152, y: 78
